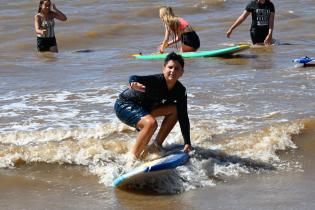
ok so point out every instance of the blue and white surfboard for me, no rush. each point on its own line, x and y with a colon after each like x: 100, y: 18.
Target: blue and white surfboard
x: 304, y: 60
x: 169, y: 162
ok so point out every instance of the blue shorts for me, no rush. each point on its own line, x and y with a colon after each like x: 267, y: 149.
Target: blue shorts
x: 129, y: 112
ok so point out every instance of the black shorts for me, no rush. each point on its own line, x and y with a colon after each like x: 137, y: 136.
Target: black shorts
x: 190, y: 39
x: 258, y: 36
x: 44, y: 44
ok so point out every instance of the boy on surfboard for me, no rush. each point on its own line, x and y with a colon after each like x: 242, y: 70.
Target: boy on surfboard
x: 152, y: 96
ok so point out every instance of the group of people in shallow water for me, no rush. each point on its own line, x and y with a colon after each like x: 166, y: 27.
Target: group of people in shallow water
x: 177, y: 29
x: 160, y: 95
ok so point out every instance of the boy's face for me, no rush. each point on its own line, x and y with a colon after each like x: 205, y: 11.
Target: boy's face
x: 172, y: 71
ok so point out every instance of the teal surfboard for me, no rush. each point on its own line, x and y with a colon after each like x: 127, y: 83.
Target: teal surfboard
x: 170, y: 161
x: 212, y: 53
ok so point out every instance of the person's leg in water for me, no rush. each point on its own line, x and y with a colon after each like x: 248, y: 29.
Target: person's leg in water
x: 148, y: 126
x: 53, y: 49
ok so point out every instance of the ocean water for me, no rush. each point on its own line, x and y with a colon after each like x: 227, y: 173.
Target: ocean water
x: 252, y: 115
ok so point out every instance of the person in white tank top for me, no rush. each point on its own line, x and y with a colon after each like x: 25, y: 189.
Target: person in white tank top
x: 44, y: 26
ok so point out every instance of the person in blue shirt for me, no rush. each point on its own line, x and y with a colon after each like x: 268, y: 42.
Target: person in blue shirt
x: 152, y: 96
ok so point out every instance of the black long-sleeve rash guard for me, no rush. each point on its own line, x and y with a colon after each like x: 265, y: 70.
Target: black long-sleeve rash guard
x: 156, y: 93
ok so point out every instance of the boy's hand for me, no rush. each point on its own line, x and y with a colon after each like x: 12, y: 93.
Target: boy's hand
x: 187, y: 148
x: 137, y: 86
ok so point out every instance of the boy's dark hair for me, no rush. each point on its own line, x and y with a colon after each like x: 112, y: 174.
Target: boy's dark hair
x: 174, y: 57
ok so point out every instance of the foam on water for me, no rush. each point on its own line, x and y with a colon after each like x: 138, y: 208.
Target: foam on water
x: 208, y: 164
x: 55, y: 109
x: 104, y: 150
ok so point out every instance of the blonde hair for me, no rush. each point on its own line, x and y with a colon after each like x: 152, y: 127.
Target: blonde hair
x: 170, y: 20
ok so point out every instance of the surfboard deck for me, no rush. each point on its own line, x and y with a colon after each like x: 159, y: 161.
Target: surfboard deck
x: 213, y: 53
x: 152, y: 168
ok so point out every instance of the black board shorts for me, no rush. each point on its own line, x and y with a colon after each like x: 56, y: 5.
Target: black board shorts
x: 44, y: 44
x: 258, y: 36
x: 191, y: 39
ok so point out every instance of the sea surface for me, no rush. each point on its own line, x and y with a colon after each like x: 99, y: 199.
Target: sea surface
x: 252, y: 115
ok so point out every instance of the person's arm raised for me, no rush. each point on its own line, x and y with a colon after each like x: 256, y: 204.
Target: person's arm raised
x: 58, y: 14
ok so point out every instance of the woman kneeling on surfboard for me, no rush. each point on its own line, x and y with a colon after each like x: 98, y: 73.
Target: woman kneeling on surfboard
x: 180, y: 30
x: 149, y: 97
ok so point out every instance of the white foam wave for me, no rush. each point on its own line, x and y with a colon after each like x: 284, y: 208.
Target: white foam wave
x: 56, y: 108
x: 264, y: 144
x: 52, y: 134
x: 104, y: 151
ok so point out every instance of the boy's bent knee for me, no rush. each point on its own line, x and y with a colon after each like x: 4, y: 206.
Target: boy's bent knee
x: 150, y: 122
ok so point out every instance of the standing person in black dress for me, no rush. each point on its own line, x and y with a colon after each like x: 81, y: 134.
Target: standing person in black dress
x: 152, y: 96
x: 263, y: 14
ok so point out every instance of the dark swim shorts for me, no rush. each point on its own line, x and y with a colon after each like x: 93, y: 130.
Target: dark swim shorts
x: 258, y: 36
x: 44, y: 44
x: 129, y: 112
x: 190, y: 39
